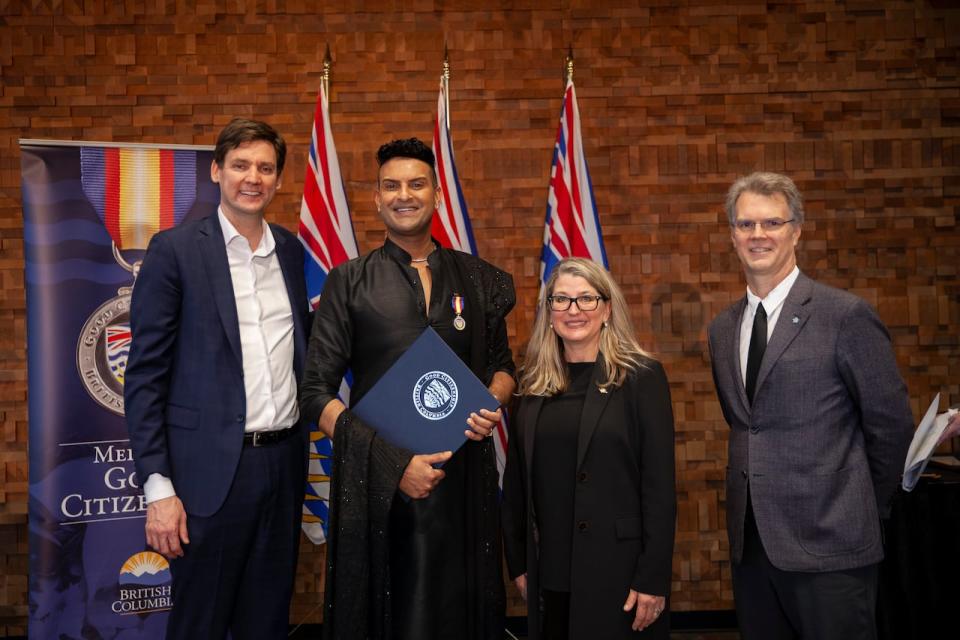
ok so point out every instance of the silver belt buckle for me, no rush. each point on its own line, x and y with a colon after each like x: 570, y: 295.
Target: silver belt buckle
x: 256, y: 438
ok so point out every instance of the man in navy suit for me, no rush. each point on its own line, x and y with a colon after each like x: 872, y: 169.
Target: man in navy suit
x: 819, y: 428
x: 219, y: 320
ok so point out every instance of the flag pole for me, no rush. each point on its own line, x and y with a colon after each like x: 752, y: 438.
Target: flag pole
x: 572, y: 225
x: 445, y: 80
x: 326, y: 233
x: 325, y: 79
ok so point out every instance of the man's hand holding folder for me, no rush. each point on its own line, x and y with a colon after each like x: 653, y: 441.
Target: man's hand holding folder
x: 420, y: 477
x: 482, y: 424
x: 421, y: 404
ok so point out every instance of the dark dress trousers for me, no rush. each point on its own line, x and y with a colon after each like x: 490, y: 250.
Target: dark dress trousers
x: 821, y: 449
x: 186, y: 413
x: 624, y: 508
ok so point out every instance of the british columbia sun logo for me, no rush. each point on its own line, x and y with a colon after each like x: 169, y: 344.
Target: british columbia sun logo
x: 435, y: 395
x: 144, y: 585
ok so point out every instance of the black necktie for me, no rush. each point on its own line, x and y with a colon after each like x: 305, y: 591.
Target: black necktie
x: 758, y: 344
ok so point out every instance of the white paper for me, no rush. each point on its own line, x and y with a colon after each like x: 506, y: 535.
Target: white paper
x: 929, y: 434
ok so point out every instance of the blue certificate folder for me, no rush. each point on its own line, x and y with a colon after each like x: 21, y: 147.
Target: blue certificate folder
x: 423, y: 401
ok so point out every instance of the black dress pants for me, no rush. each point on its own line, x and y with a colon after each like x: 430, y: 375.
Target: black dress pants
x: 556, y: 615
x: 237, y: 572
x: 773, y: 604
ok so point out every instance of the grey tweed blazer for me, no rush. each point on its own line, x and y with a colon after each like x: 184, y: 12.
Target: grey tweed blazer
x: 822, y: 448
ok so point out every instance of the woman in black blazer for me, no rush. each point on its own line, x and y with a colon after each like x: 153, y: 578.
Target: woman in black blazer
x: 589, y: 501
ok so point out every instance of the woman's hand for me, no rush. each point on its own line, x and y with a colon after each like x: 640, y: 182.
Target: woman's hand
x: 521, y: 582
x: 648, y: 607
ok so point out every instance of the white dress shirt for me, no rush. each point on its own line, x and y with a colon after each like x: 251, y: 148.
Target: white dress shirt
x: 266, y: 339
x: 772, y: 304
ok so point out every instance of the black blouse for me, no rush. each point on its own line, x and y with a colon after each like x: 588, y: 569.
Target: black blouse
x: 554, y: 476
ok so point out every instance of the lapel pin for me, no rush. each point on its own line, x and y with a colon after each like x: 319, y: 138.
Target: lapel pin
x: 796, y: 319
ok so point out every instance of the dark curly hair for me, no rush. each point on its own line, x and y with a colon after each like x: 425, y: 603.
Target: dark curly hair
x: 408, y: 148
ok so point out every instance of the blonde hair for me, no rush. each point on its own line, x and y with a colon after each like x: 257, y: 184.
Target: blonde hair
x: 545, y: 372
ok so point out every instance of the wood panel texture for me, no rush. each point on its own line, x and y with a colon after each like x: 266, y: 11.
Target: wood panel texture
x: 858, y: 101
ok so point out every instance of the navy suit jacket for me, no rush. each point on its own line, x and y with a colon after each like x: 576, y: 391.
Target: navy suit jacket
x: 184, y: 397
x: 822, y: 447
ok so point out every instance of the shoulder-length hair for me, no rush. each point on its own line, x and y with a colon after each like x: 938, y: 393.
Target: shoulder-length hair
x: 544, y: 371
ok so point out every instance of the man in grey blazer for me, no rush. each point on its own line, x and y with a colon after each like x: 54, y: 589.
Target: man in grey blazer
x: 820, y: 425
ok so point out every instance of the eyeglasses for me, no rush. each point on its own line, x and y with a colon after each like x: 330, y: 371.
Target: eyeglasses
x: 584, y: 303
x: 771, y: 225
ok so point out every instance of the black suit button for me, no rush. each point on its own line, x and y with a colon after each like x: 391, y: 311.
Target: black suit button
x: 239, y: 417
x: 744, y: 473
x: 582, y: 477
x: 754, y: 429
x: 583, y: 525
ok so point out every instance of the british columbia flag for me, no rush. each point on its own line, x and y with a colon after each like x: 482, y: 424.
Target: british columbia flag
x: 451, y: 222
x: 326, y: 232
x: 326, y: 229
x: 118, y: 340
x: 572, y: 227
x: 451, y: 225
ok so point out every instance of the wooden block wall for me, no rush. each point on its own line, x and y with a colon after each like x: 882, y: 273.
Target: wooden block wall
x: 858, y: 101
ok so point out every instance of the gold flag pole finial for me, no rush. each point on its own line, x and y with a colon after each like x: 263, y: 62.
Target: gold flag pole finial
x: 569, y: 65
x: 446, y: 63
x: 445, y: 81
x: 327, y: 64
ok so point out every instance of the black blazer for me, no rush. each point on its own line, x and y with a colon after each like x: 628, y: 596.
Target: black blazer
x: 624, y: 502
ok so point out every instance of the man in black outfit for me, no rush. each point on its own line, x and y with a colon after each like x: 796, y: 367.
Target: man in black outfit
x: 421, y: 545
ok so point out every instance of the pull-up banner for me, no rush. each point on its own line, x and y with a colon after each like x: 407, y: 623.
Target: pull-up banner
x: 89, y: 211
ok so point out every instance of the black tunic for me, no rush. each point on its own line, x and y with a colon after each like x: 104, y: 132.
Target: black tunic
x: 444, y: 551
x: 554, y: 473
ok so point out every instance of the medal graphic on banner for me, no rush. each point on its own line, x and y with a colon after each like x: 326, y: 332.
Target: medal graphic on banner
x: 136, y: 192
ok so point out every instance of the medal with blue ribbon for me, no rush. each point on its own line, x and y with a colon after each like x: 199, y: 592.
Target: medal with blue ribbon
x: 457, y: 303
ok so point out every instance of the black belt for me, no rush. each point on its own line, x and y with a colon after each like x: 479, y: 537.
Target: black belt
x: 264, y: 438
